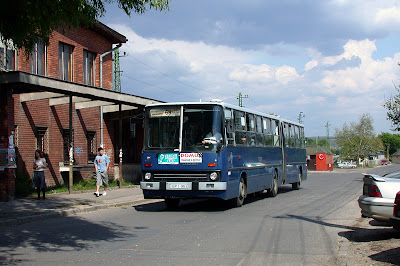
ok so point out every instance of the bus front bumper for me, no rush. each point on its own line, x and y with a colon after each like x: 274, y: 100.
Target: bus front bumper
x: 183, y: 186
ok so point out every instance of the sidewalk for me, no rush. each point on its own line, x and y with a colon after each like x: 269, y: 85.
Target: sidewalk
x: 29, y: 209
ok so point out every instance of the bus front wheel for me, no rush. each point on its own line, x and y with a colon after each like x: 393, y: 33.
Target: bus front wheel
x: 238, y: 202
x: 172, y: 204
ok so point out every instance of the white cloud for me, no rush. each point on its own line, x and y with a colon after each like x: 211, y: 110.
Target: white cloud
x: 370, y: 16
x: 251, y: 73
x: 286, y: 74
x: 327, y: 89
x: 310, y: 65
x: 388, y: 17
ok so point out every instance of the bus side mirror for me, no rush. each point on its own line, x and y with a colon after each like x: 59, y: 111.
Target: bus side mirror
x: 219, y: 146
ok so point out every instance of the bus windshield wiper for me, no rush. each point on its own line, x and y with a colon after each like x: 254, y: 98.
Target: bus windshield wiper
x: 192, y: 145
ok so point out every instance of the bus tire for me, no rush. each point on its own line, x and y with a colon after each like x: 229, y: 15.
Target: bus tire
x: 238, y: 202
x: 172, y: 204
x: 272, y: 192
x: 296, y: 186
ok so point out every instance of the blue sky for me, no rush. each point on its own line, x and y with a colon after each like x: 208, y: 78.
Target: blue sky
x: 332, y: 60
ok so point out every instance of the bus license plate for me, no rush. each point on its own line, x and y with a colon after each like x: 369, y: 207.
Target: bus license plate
x: 178, y: 186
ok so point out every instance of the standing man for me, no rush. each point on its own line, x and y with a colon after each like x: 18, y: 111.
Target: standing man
x: 101, y: 164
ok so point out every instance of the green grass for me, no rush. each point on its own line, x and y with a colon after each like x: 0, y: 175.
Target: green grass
x: 23, y: 185
x: 87, y: 184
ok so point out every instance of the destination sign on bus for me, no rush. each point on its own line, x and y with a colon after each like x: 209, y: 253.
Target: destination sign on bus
x: 168, y: 158
x: 164, y: 112
x: 191, y: 157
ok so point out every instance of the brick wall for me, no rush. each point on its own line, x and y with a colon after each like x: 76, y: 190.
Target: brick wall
x: 32, y: 114
x: 7, y: 176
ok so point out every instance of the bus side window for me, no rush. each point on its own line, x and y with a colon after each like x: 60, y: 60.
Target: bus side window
x: 286, y: 134
x: 302, y: 138
x: 268, y: 137
x: 259, y: 130
x: 250, y: 122
x: 240, y: 120
x: 240, y: 128
x: 275, y: 128
x: 292, y: 142
x: 241, y: 138
x: 251, y: 126
x: 297, y: 136
x: 230, y: 129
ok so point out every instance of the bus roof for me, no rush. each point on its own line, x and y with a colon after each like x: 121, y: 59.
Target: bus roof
x: 229, y: 106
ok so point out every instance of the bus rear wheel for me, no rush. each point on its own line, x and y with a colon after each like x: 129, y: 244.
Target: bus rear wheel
x: 272, y: 192
x: 296, y: 185
x: 172, y: 204
x: 238, y: 202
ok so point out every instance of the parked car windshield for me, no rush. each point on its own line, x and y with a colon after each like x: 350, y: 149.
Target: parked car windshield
x: 395, y: 175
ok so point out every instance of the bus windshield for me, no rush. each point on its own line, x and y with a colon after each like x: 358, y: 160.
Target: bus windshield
x: 202, y: 128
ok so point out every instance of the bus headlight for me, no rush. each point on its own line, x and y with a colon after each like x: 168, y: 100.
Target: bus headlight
x: 214, y: 176
x: 147, y: 176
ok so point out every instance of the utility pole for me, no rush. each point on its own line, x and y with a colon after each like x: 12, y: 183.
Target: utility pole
x: 327, y: 134
x: 301, y: 116
x: 241, y: 98
x: 117, y: 71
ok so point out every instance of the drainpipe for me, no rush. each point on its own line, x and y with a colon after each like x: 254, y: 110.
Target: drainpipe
x: 101, y: 86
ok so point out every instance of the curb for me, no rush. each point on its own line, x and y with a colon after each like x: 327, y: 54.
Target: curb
x: 67, y: 212
x: 88, y: 190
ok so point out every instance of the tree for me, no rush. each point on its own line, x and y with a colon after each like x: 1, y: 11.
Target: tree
x: 393, y: 109
x: 310, y: 141
x: 391, y: 142
x: 358, y: 139
x: 323, y: 143
x: 23, y: 21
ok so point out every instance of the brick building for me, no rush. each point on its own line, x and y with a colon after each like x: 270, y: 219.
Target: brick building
x: 63, y: 87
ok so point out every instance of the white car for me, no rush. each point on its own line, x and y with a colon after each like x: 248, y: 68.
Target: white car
x: 347, y: 165
x: 396, y: 213
x: 378, y: 196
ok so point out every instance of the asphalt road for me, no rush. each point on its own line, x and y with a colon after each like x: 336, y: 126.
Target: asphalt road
x: 297, y: 227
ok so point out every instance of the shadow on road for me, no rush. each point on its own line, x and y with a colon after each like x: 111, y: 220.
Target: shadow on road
x: 359, y: 234
x: 316, y: 220
x: 206, y: 205
x: 30, y: 206
x: 193, y: 205
x: 356, y: 234
x: 369, y: 235
x: 62, y: 234
x: 389, y: 256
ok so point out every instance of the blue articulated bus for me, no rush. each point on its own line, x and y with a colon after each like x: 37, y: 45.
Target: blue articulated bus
x: 218, y: 150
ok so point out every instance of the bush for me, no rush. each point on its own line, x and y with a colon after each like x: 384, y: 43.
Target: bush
x: 23, y: 185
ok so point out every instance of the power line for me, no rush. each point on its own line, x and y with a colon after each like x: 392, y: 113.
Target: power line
x: 157, y: 87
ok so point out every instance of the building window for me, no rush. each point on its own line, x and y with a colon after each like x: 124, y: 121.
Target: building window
x: 42, y: 140
x: 38, y: 58
x: 7, y: 57
x: 89, y: 68
x: 65, y: 61
x: 66, y: 145
x: 91, y: 146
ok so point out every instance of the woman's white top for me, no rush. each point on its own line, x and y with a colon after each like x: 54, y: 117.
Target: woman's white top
x: 40, y: 164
